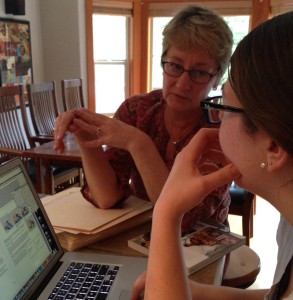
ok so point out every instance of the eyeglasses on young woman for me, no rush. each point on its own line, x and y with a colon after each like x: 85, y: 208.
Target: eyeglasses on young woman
x: 213, y: 107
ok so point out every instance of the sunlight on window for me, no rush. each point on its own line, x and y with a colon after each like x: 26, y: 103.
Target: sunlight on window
x: 110, y: 58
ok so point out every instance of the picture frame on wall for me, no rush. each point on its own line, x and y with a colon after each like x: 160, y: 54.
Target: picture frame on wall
x: 15, y: 53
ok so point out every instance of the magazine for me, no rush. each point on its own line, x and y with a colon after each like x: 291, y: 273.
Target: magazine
x: 205, y: 244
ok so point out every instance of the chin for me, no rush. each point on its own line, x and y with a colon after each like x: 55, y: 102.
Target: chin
x: 241, y: 183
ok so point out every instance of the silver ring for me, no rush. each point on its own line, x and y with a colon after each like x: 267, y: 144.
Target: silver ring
x: 99, y: 131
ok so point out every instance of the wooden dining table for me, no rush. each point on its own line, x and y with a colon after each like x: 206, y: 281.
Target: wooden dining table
x: 118, y: 245
x: 47, y: 157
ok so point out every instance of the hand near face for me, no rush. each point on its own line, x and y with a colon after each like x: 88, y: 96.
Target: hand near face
x: 194, y: 174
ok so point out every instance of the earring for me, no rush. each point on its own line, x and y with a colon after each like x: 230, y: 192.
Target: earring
x: 263, y: 165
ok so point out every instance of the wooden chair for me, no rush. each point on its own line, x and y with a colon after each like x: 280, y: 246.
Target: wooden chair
x: 42, y: 101
x: 72, y: 93
x: 242, y: 204
x: 15, y: 139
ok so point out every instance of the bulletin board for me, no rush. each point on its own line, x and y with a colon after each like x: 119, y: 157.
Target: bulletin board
x: 15, y: 52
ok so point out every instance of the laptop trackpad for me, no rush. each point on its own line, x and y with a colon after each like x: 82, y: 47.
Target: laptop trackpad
x: 125, y: 295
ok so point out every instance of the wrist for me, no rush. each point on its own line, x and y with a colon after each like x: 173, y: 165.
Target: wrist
x: 168, y: 214
x: 139, y: 141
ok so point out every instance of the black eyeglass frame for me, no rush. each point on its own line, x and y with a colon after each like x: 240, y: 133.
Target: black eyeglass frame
x: 188, y: 71
x: 206, y: 105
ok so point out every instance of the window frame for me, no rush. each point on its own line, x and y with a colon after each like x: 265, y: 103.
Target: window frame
x: 140, y: 47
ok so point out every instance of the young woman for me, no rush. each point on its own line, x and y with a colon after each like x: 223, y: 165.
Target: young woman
x: 256, y: 138
x: 149, y: 130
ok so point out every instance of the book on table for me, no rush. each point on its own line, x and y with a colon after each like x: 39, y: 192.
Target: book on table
x: 78, y: 223
x: 206, y: 243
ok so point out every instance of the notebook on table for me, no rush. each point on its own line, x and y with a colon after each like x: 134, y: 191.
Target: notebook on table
x: 33, y: 264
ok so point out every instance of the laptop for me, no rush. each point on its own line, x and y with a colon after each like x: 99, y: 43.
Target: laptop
x: 32, y: 262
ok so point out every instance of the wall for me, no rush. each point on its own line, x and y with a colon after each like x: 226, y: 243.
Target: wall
x: 58, y: 40
x: 64, y: 40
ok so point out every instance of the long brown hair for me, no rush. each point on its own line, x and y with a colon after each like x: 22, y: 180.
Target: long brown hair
x: 261, y: 75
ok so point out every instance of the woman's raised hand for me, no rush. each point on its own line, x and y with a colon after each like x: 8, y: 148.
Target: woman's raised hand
x: 198, y: 169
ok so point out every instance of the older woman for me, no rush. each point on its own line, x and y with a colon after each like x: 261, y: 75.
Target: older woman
x: 149, y: 130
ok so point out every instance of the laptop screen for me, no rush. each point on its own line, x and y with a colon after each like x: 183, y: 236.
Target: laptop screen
x: 27, y: 245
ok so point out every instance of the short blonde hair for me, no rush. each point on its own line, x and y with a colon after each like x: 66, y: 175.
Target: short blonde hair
x: 194, y: 27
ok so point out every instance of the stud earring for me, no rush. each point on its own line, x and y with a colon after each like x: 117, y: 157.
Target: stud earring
x: 263, y: 165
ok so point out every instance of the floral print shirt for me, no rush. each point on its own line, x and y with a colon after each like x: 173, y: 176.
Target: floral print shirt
x: 146, y: 112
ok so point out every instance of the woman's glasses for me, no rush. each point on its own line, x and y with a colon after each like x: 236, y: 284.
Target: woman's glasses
x: 214, y: 106
x: 196, y: 76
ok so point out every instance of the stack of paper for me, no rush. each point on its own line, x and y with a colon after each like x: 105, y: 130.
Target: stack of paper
x: 79, y: 223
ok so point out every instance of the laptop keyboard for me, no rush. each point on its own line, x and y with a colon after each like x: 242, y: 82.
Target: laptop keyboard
x: 85, y: 281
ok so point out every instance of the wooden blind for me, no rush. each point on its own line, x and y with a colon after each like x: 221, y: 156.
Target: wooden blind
x: 112, y: 7
x: 281, y: 6
x: 224, y: 8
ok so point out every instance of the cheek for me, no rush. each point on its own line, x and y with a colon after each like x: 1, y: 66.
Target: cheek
x: 230, y: 142
x: 167, y: 85
x: 238, y: 148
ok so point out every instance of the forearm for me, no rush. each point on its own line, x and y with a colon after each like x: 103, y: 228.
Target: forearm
x: 166, y: 273
x: 100, y: 177
x: 210, y: 292
x: 149, y: 163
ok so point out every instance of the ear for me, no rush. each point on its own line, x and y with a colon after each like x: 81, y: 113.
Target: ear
x: 277, y: 157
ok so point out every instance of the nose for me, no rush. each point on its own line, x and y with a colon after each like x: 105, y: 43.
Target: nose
x: 183, y: 81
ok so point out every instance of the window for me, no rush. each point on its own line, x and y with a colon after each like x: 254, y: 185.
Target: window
x: 111, y: 61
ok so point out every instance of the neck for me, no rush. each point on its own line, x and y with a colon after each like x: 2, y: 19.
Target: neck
x: 180, y: 125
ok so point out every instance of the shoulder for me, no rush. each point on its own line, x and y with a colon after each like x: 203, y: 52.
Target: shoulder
x: 285, y: 247
x: 143, y: 100
x: 140, y: 105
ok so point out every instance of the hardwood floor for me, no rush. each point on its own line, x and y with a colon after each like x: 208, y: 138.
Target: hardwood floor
x: 263, y: 242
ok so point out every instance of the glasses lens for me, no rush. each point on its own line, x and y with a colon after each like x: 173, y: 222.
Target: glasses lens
x: 214, y: 114
x: 172, y: 69
x: 199, y: 76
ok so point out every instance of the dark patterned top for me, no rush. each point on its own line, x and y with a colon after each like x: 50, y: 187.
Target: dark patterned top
x: 146, y: 112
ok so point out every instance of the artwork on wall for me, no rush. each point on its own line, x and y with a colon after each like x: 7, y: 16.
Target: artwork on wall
x: 15, y: 52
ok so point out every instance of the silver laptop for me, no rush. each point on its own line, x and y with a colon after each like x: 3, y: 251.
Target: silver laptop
x: 32, y: 262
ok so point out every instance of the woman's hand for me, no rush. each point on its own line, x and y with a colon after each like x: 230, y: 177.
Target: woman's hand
x: 63, y: 124
x: 105, y: 130
x: 138, y: 287
x: 194, y: 175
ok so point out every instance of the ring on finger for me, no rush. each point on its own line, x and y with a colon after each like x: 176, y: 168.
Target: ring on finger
x: 99, y: 131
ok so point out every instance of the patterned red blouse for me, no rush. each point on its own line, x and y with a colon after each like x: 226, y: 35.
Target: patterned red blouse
x: 146, y: 112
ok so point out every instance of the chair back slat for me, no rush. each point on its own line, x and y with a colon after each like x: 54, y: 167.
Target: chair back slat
x: 13, y: 133
x: 72, y: 93
x: 13, y: 126
x: 42, y: 102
